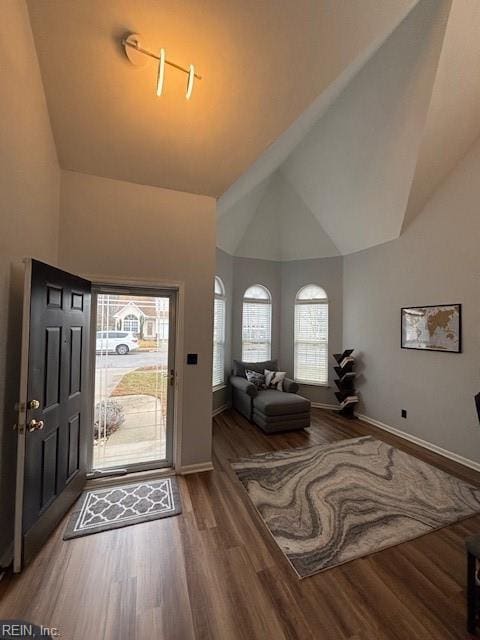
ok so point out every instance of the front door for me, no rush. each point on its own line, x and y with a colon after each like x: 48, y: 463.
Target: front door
x: 53, y: 426
x: 134, y: 378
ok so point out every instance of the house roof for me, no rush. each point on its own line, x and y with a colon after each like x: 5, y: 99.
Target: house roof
x: 136, y: 304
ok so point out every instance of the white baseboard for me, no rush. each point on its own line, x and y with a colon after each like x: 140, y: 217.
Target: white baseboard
x: 322, y: 405
x: 466, y: 462
x: 221, y: 409
x: 196, y: 468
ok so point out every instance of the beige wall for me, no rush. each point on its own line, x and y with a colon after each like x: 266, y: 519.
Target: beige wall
x: 436, y: 261
x: 119, y: 229
x: 29, y: 188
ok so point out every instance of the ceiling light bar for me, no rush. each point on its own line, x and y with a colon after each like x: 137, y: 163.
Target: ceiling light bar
x: 132, y: 46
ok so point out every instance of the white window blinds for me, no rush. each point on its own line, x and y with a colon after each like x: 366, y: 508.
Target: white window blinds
x: 256, y: 324
x: 218, y: 371
x: 311, y: 335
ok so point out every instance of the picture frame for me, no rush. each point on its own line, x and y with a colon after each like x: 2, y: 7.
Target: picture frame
x: 432, y: 328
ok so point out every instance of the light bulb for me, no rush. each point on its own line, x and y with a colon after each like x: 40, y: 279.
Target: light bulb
x: 191, y: 77
x: 161, y: 72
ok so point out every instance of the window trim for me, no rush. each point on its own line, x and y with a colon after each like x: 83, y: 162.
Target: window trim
x: 317, y: 301
x: 260, y: 301
x: 221, y: 297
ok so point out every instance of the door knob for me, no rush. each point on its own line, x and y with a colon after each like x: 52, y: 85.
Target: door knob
x: 35, y: 425
x: 33, y: 404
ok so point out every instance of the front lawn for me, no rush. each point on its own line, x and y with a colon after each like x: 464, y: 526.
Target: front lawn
x: 147, y: 381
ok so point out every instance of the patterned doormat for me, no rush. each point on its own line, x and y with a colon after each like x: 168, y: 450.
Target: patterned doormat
x: 115, y: 507
x: 329, y: 504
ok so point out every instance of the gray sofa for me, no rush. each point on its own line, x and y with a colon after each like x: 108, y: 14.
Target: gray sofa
x: 273, y: 411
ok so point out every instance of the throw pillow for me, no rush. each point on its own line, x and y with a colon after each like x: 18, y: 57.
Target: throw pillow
x: 258, y: 379
x: 274, y: 379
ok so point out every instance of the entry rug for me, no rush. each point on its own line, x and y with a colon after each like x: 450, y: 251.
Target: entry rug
x: 120, y: 506
x: 329, y: 504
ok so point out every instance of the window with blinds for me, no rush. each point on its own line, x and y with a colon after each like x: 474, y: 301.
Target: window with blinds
x: 311, y: 335
x: 256, y: 324
x: 218, y: 372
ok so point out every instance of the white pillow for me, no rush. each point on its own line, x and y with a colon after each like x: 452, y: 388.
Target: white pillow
x: 274, y: 379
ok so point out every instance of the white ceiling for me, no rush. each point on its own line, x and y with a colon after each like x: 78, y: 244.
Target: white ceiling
x: 369, y: 162
x: 263, y: 64
x: 324, y: 126
x: 284, y: 228
x: 354, y: 168
x: 453, y: 121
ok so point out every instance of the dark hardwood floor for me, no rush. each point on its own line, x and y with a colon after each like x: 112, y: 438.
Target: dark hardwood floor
x: 214, y: 571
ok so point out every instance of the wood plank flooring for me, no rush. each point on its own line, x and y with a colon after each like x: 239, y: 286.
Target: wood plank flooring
x: 214, y: 572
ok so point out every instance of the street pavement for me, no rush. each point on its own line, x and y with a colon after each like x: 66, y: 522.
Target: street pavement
x: 132, y: 360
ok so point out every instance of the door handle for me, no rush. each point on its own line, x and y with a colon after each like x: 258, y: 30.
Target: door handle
x: 33, y: 404
x: 36, y: 425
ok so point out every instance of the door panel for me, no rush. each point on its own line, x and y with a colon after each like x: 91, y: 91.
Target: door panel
x: 53, y: 432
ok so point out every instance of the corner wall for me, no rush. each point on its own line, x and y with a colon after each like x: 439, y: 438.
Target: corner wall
x: 29, y: 212
x: 248, y: 271
x: 435, y: 261
x: 111, y: 228
x: 328, y: 274
x: 283, y: 280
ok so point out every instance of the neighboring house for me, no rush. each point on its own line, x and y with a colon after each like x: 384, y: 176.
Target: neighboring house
x: 146, y: 318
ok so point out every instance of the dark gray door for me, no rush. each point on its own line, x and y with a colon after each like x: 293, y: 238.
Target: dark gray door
x: 53, y: 426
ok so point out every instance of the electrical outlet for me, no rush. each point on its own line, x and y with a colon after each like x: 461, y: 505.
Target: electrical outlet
x: 404, y: 413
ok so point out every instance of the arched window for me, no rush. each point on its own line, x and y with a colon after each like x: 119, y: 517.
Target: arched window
x: 311, y: 335
x: 218, y: 373
x: 256, y: 324
x: 130, y: 323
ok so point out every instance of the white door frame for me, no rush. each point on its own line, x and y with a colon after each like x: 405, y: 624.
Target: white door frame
x: 179, y: 287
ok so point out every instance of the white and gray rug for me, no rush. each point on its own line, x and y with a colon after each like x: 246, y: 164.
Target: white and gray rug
x: 329, y: 504
x: 104, y: 509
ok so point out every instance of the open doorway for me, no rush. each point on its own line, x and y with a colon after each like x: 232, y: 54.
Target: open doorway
x: 134, y: 378
x: 132, y: 337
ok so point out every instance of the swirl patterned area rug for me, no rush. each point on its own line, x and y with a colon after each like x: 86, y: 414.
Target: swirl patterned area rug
x: 326, y: 505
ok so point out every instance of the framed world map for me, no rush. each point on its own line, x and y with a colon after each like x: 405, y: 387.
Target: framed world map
x: 432, y: 328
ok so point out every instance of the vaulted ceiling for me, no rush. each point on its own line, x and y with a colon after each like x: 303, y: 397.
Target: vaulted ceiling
x: 263, y: 63
x: 323, y: 126
x: 362, y: 168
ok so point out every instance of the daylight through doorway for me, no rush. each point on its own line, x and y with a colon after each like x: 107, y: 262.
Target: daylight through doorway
x: 132, y: 363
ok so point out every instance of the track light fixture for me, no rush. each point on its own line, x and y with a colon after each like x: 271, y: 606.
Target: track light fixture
x: 137, y: 56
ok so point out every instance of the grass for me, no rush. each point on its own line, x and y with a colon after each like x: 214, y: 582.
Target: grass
x: 146, y: 381
x: 147, y: 344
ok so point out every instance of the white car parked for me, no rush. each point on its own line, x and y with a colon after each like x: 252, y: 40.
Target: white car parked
x: 121, y: 342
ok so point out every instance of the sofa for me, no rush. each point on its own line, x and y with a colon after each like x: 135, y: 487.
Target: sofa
x: 272, y: 410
